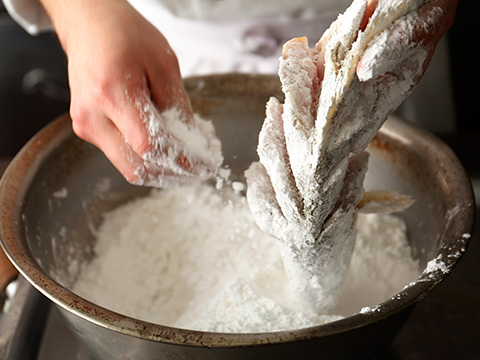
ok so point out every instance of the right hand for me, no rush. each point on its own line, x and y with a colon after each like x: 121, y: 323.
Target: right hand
x: 121, y: 69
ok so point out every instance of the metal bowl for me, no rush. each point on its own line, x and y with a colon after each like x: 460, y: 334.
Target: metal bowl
x: 55, y: 191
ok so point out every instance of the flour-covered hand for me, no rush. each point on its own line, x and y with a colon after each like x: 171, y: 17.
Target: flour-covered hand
x: 123, y: 75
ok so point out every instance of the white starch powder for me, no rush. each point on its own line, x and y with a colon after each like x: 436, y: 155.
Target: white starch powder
x: 194, y: 258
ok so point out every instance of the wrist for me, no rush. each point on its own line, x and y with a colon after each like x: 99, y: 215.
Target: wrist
x: 62, y: 15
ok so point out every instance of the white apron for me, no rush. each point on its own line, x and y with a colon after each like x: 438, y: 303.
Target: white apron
x: 248, y: 45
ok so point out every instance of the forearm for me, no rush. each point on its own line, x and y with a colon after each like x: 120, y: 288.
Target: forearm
x: 76, y: 16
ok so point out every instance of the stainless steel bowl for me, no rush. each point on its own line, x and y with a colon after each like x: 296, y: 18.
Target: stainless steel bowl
x: 55, y: 191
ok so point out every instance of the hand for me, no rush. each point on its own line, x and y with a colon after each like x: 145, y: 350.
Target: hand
x: 417, y: 31
x: 397, y: 57
x: 123, y: 75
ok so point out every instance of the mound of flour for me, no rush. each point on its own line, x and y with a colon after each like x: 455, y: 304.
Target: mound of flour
x: 193, y: 258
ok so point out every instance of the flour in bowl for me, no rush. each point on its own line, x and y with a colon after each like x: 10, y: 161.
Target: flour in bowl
x: 194, y: 258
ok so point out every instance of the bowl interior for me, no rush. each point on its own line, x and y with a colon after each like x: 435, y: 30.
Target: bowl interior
x: 58, y: 187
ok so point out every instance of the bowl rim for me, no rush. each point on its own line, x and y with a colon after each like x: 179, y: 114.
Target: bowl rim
x: 18, y: 176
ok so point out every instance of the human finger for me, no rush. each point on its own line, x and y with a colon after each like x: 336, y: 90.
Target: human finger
x: 415, y: 34
x: 134, y: 168
x: 102, y: 133
x: 168, y: 92
x: 133, y: 113
x: 122, y: 101
x: 166, y: 84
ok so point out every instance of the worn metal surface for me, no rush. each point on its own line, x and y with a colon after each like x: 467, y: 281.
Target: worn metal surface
x: 403, y: 158
x: 22, y: 326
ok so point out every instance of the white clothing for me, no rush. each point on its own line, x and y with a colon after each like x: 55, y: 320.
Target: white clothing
x: 32, y: 17
x: 236, y: 43
x: 217, y: 36
x: 221, y: 10
x: 220, y: 36
x: 29, y: 14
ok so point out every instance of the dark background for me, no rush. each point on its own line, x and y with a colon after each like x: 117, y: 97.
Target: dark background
x: 26, y: 106
x: 463, y: 39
